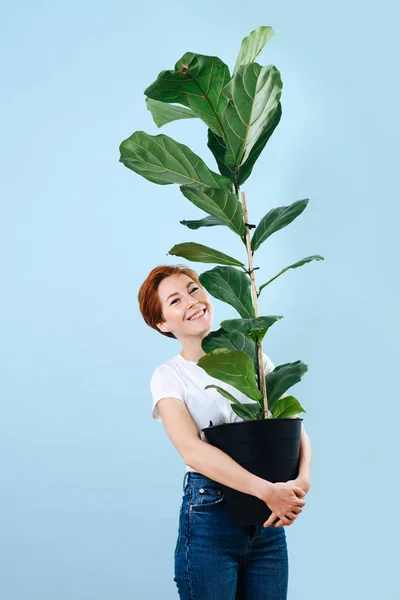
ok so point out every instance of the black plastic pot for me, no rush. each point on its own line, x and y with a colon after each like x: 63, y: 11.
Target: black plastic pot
x: 269, y: 448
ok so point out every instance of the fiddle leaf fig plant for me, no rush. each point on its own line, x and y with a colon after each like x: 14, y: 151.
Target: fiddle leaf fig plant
x: 241, y: 110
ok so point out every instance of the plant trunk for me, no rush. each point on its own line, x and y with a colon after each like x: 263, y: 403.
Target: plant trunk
x: 256, y: 311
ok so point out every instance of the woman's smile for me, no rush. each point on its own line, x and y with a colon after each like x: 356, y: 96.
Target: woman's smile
x: 198, y: 316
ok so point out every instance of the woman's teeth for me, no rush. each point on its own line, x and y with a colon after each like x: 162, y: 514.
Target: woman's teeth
x: 198, y: 316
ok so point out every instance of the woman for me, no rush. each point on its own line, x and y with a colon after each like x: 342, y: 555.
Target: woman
x: 213, y: 559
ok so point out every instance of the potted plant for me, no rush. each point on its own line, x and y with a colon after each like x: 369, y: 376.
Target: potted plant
x: 241, y: 111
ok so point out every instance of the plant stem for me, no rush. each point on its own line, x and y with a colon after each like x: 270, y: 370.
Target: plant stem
x: 255, y: 301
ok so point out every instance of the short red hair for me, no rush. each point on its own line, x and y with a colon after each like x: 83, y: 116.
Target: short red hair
x: 149, y: 301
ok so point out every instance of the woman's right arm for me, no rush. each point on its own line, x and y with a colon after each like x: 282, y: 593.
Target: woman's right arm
x: 203, y: 457
x: 281, y: 498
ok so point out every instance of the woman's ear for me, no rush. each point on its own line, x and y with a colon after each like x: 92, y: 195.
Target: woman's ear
x: 162, y: 327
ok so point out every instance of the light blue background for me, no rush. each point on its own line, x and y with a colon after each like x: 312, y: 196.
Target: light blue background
x: 90, y: 485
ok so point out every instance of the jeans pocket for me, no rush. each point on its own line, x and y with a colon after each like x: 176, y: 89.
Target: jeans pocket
x: 178, y: 540
x: 206, y: 497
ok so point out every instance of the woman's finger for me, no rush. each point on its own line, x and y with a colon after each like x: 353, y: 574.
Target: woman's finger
x: 287, y: 520
x: 282, y: 521
x: 270, y: 519
x: 297, y: 509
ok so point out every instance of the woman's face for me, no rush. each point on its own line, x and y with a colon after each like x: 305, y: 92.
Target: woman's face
x: 181, y: 298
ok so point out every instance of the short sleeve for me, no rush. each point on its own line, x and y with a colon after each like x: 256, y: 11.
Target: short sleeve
x: 164, y: 384
x: 268, y: 364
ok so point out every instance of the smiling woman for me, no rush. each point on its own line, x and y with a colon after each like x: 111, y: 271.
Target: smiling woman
x: 171, y: 300
x: 174, y: 303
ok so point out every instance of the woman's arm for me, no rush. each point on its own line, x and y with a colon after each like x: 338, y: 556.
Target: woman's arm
x: 219, y: 466
x: 305, y: 462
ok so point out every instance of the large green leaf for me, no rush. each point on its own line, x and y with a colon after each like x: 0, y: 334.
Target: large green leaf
x: 235, y: 368
x: 224, y: 157
x: 248, y: 407
x: 282, y: 378
x: 246, y: 168
x: 252, y: 45
x: 241, y: 409
x: 164, y: 113
x: 276, y: 219
x: 219, y: 203
x: 253, y: 96
x: 197, y: 82
x: 231, y: 340
x: 200, y: 253
x: 256, y: 328
x: 162, y: 160
x: 231, y: 286
x: 197, y: 223
x: 286, y: 408
x: 299, y: 263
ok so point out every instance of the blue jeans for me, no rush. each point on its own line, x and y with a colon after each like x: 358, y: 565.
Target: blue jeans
x: 215, y: 560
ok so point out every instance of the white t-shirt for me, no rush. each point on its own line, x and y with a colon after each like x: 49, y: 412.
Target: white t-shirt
x: 185, y: 380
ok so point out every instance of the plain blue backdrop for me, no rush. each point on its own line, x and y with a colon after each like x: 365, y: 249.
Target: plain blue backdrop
x: 90, y: 484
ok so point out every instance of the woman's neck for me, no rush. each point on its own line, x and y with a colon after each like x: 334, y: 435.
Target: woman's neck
x: 192, y: 354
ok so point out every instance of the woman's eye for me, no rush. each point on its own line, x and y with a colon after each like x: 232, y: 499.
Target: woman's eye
x: 192, y: 290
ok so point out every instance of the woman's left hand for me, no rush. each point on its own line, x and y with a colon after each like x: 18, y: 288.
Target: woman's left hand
x: 305, y: 485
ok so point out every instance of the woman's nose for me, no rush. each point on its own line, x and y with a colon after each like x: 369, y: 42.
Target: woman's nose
x: 192, y: 301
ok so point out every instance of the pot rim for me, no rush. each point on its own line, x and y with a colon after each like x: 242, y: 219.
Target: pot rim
x: 250, y: 421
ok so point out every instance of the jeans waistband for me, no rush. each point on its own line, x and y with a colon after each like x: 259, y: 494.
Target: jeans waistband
x: 194, y: 477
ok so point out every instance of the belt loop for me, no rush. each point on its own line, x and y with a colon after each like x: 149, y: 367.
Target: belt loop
x: 184, y: 479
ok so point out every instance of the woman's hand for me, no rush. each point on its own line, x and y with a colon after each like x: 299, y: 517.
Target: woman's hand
x: 302, y: 482
x: 286, y: 500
